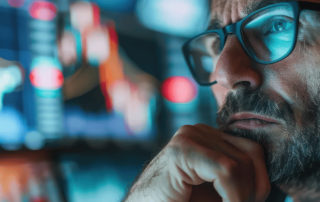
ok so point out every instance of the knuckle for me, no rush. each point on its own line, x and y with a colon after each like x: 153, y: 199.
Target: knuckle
x: 228, y: 166
x: 183, y: 130
x: 172, y: 152
x: 204, y: 126
x: 255, y: 147
x: 246, y: 161
x: 187, y: 128
x: 201, y: 126
x: 185, y: 134
x: 180, y: 138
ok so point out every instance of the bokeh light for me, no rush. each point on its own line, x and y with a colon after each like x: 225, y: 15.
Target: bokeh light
x: 12, y: 127
x: 46, y: 78
x: 16, y: 3
x: 117, y: 5
x: 43, y: 10
x: 34, y: 140
x: 176, y: 17
x: 178, y: 89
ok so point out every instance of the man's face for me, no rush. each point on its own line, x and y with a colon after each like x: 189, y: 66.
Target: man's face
x: 277, y: 105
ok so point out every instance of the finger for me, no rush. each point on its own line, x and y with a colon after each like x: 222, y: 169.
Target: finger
x: 228, y: 149
x: 202, y: 136
x: 204, y: 193
x: 224, y: 172
x: 207, y: 129
x: 255, y: 151
x: 235, y: 178
x: 204, y: 165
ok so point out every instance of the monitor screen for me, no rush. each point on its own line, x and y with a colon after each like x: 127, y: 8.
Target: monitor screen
x: 36, y: 103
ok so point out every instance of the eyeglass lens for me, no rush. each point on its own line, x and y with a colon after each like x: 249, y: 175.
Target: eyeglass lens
x: 268, y: 35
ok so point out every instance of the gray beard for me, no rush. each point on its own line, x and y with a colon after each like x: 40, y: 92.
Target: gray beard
x: 290, y: 156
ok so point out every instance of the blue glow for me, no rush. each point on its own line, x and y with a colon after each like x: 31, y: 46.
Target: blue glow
x: 47, y: 93
x: 183, y: 107
x: 42, y: 36
x: 88, y: 180
x: 208, y: 63
x: 42, y: 25
x: 116, y: 5
x: 45, y: 62
x: 288, y: 199
x: 10, y: 78
x: 34, y: 140
x: 42, y: 47
x: 12, y: 126
x: 101, y: 125
x: 108, y: 188
x: 266, y: 42
x: 177, y: 17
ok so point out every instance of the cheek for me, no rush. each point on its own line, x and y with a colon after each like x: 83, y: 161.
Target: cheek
x: 307, y: 70
x: 297, y: 80
x: 289, y: 82
x: 220, y: 94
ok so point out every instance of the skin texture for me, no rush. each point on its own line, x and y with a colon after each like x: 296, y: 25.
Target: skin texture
x: 235, y: 166
x: 97, y: 48
x: 279, y: 80
x: 294, y: 81
x: 197, y: 154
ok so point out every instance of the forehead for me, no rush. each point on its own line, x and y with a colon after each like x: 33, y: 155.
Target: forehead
x: 224, y: 12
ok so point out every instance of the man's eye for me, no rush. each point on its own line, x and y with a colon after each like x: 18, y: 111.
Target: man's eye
x: 279, y: 25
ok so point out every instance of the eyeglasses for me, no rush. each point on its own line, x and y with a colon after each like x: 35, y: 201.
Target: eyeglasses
x: 268, y: 36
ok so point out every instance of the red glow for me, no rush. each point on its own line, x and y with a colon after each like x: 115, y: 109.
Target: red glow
x: 96, y: 14
x: 178, y: 89
x: 43, y: 10
x: 46, y: 78
x: 16, y: 3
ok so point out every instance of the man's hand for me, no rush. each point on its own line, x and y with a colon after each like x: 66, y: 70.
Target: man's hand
x: 234, y: 166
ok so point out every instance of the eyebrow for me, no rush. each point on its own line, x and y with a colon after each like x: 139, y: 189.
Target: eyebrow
x: 215, y: 23
x: 254, y: 6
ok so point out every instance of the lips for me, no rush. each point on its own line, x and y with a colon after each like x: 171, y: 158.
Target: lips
x: 250, y: 121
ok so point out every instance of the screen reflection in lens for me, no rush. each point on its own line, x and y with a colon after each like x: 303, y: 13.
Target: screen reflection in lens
x: 269, y: 34
x: 204, y: 54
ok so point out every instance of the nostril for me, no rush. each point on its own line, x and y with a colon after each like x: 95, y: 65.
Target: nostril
x: 245, y: 84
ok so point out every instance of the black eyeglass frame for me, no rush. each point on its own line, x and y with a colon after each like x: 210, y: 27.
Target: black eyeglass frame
x: 237, y: 29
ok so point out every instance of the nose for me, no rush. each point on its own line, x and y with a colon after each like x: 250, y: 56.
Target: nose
x: 235, y: 67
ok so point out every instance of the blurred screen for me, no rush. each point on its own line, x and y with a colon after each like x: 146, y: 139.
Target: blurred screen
x: 102, y: 178
x: 28, y: 177
x: 183, y: 18
x: 135, y: 91
x: 33, y: 108
x: 115, y: 81
x: 116, y: 6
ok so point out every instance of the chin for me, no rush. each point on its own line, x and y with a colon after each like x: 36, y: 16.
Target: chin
x: 286, y: 153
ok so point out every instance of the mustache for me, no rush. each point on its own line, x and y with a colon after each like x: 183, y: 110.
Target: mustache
x: 301, y: 145
x: 258, y: 102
